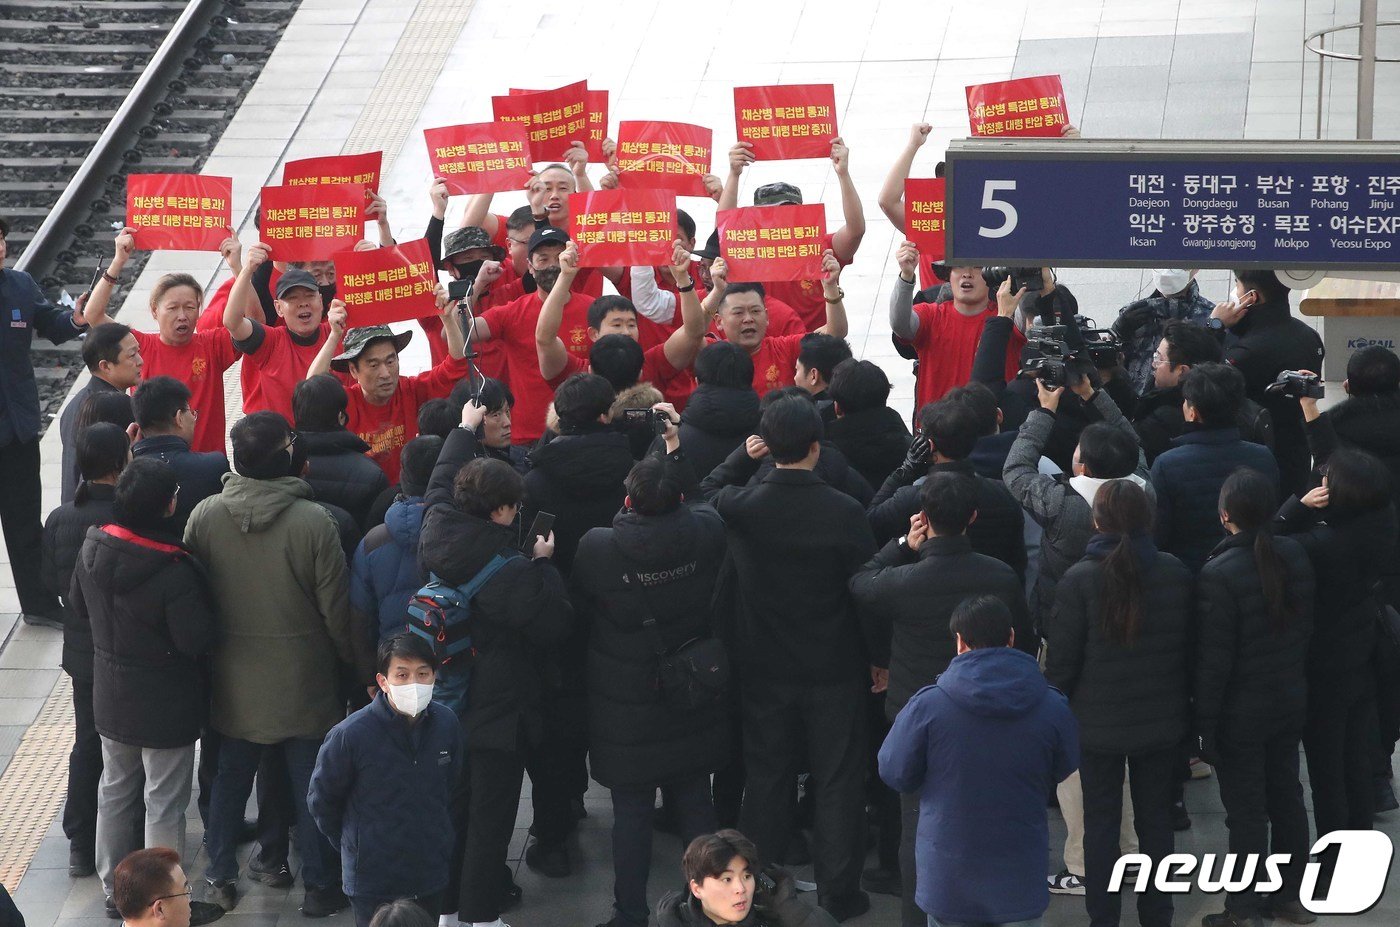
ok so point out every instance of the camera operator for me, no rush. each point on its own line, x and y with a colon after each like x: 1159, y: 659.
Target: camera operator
x: 1263, y: 339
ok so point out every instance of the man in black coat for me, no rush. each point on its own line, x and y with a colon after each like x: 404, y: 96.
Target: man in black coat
x: 1263, y: 339
x: 644, y: 586
x: 873, y: 436
x: 337, y: 469
x: 907, y: 595
x: 152, y: 617
x: 794, y: 543
x: 163, y: 413
x: 520, y: 613
x: 952, y: 429
x: 113, y: 357
x: 723, y: 411
x: 102, y: 451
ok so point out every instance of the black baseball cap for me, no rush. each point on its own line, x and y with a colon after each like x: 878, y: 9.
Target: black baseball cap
x: 548, y: 235
x: 293, y: 278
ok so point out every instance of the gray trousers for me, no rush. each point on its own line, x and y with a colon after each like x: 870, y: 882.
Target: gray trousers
x: 163, y: 778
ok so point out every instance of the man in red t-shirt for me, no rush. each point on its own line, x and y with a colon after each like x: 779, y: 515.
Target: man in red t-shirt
x: 281, y: 354
x: 744, y: 321
x: 945, y: 334
x: 805, y: 296
x: 383, y: 406
x: 782, y: 318
x: 197, y: 359
x: 514, y: 325
x: 469, y: 252
x: 665, y: 366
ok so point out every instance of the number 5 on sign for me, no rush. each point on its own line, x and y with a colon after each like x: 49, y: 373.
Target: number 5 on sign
x: 1008, y: 212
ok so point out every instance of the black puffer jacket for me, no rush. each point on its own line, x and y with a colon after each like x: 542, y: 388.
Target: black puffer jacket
x: 832, y: 466
x: 716, y: 420
x: 906, y: 600
x: 64, y: 533
x: 341, y: 474
x: 1000, y: 528
x: 1158, y: 419
x: 519, y: 614
x: 151, y: 614
x: 635, y: 738
x: 1251, y: 678
x: 578, y: 479
x: 1128, y: 699
x: 1350, y: 552
x: 873, y: 440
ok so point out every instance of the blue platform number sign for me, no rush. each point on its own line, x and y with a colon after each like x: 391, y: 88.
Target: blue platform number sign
x: 1152, y: 211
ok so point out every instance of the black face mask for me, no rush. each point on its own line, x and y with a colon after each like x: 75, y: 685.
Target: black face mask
x: 467, y: 270
x: 528, y: 284
x: 327, y: 293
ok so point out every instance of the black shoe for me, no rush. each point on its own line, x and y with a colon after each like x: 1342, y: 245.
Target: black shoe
x: 1180, y: 819
x: 44, y: 621
x: 323, y: 902
x: 882, y: 882
x: 798, y: 852
x: 848, y: 906
x: 224, y: 894
x: 1291, y: 911
x: 81, y: 863
x: 204, y: 912
x: 279, y: 877
x: 112, y: 913
x: 1230, y: 919
x: 511, y: 897
x: 1384, y: 799
x: 550, y: 861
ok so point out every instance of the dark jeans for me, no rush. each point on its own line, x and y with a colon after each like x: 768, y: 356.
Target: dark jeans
x: 275, y: 812
x: 84, y: 772
x: 364, y: 906
x: 789, y: 727
x: 20, y: 502
x: 688, y: 798
x: 1150, y: 777
x: 485, y: 811
x: 1259, y: 787
x: 238, y: 763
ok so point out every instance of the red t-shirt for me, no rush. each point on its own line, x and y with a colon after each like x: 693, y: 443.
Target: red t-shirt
x: 805, y: 296
x: 387, y: 428
x: 650, y: 333
x: 279, y: 363
x: 775, y: 362
x: 657, y: 369
x: 212, y: 317
x: 513, y: 324
x: 199, y: 364
x: 588, y: 281
x: 947, y: 343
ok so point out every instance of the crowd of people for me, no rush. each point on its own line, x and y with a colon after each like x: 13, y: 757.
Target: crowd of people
x: 661, y: 529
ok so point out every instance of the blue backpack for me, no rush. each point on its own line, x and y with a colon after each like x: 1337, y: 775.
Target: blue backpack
x: 441, y: 614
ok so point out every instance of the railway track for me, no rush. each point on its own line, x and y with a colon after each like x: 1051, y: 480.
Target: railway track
x: 93, y: 90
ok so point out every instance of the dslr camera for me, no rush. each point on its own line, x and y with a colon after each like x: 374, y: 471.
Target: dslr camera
x: 649, y: 419
x: 1047, y: 355
x: 1296, y: 384
x: 1027, y: 278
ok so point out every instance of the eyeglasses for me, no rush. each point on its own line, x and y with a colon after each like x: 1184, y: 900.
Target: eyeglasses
x: 291, y: 440
x: 1157, y: 359
x: 183, y: 894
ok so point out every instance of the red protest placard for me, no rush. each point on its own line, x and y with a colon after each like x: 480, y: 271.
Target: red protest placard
x: 179, y: 212
x: 663, y: 156
x: 484, y: 157
x: 386, y: 285
x: 311, y: 223
x: 925, y: 215
x: 1027, y: 106
x: 788, y: 121
x: 553, y: 118
x: 772, y: 243
x: 623, y: 228
x: 596, y: 102
x: 362, y: 169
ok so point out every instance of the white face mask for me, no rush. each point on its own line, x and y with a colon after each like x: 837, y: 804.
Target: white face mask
x: 1170, y: 282
x: 412, y: 697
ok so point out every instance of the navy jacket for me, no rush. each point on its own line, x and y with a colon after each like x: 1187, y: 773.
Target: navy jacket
x: 1187, y: 480
x: 384, y: 574
x: 982, y: 748
x: 68, y: 434
x: 382, y: 792
x: 201, y: 475
x: 26, y: 310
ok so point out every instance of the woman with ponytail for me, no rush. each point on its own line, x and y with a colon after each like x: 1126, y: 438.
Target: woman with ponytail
x: 1254, y: 608
x: 1117, y: 645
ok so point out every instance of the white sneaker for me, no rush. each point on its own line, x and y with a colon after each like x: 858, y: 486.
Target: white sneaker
x: 1065, y: 883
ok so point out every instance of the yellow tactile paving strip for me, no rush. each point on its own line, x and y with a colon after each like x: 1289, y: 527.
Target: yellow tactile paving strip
x: 33, y: 786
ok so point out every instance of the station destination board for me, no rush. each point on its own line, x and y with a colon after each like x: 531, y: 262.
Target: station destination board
x: 1117, y: 203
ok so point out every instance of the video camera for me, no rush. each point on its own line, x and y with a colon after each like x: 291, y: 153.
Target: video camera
x: 1102, y: 347
x: 650, y: 419
x: 1047, y: 355
x: 1297, y: 384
